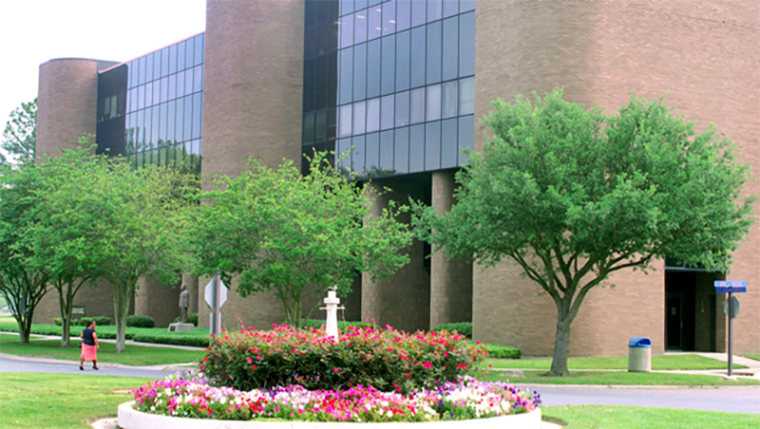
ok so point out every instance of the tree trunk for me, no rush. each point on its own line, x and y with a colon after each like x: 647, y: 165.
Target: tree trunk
x: 561, y: 346
x: 23, y: 330
x: 65, y: 308
x: 121, y: 308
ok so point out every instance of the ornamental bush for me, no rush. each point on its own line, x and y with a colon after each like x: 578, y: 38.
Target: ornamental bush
x: 140, y: 321
x: 191, y: 318
x: 388, y: 360
x: 84, y: 321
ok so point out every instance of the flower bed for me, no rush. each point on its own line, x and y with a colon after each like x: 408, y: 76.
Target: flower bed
x: 466, y: 398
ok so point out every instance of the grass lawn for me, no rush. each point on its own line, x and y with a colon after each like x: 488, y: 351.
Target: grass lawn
x: 134, y: 355
x: 755, y: 356
x: 60, y: 401
x: 624, y: 417
x: 659, y: 362
x: 621, y: 378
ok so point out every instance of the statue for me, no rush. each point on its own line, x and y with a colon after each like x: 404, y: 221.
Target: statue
x: 184, y: 302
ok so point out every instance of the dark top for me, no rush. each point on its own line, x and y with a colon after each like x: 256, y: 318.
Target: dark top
x: 87, y: 336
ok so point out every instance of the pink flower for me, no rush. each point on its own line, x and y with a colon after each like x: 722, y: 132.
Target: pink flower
x: 249, y: 360
x: 427, y: 364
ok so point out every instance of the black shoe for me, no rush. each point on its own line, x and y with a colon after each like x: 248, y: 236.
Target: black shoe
x: 95, y: 368
x: 81, y: 368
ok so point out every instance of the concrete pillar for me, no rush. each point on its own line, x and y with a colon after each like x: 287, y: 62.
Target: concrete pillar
x: 402, y: 300
x: 67, y: 103
x: 450, y: 280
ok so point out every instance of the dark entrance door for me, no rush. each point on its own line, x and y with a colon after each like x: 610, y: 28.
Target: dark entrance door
x: 674, y: 321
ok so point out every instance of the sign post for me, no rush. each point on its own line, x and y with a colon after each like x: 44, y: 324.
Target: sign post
x: 215, y: 295
x: 732, y: 310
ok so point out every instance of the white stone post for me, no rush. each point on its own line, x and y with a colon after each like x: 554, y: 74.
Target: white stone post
x: 331, y: 305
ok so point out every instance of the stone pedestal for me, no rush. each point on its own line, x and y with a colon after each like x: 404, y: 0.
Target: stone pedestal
x: 181, y: 327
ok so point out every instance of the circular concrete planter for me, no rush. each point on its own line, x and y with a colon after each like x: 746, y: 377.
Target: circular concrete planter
x: 129, y: 418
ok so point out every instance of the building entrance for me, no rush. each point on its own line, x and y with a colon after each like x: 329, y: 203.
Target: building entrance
x: 691, y: 311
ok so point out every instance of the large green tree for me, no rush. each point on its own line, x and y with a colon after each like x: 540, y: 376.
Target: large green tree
x: 572, y: 195
x: 22, y: 284
x: 62, y: 239
x: 138, y: 231
x: 20, y: 134
x: 284, y: 232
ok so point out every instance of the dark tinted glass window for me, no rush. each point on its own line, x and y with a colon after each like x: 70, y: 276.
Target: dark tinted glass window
x: 435, y: 10
x: 346, y: 75
x: 449, y: 99
x: 465, y: 5
x: 164, y: 61
x: 373, y: 151
x: 401, y: 151
x: 433, y: 52
x: 416, y: 148
x: 449, y: 147
x: 386, y: 112
x: 467, y: 44
x: 402, y: 60
x: 386, y: 150
x: 360, y: 26
x: 450, y: 7
x: 346, y: 31
x: 417, y: 106
x: 389, y: 17
x: 360, y: 116
x: 181, y: 51
x: 321, y: 125
x: 360, y: 71
x: 308, y: 128
x: 375, y: 24
x: 403, y: 14
x: 373, y: 115
x: 418, y: 13
x: 433, y: 145
x: 388, y: 64
x: 200, y: 43
x: 357, y: 154
x: 418, y: 57
x: 450, y: 48
x: 466, y: 136
x: 402, y: 109
x: 373, y: 68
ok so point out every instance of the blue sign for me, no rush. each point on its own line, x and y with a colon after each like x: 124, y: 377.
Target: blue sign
x: 727, y: 286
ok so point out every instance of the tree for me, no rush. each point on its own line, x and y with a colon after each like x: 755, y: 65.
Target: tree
x: 22, y: 285
x: 20, y: 134
x: 284, y: 232
x: 138, y: 227
x: 572, y: 195
x: 62, y: 238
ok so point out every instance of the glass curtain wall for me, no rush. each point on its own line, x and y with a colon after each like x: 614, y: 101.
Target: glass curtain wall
x: 405, y: 84
x: 164, y: 104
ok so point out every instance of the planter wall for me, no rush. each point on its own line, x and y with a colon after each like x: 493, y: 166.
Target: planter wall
x: 129, y: 418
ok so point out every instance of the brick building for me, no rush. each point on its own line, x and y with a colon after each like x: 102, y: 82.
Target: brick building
x: 405, y: 82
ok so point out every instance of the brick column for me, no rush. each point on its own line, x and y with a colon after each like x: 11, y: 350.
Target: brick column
x: 450, y: 281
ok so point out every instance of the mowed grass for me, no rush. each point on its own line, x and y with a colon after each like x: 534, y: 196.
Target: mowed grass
x: 41, y: 401
x: 753, y: 356
x: 133, y: 356
x: 659, y: 362
x: 618, y: 378
x: 626, y: 417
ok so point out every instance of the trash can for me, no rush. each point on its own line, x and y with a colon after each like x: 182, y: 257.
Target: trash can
x: 639, y: 354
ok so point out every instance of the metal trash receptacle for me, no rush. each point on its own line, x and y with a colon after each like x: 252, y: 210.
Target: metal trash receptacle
x: 639, y: 354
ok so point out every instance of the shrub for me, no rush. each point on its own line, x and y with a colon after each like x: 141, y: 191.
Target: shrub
x: 464, y: 328
x: 191, y: 318
x: 172, y: 338
x: 342, y: 325
x: 385, y: 359
x: 84, y: 321
x: 502, y: 352
x: 140, y: 321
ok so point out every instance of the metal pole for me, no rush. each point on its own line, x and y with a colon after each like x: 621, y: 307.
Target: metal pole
x: 730, y: 334
x: 217, y: 298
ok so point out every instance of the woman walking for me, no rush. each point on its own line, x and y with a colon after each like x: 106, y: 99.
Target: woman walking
x: 89, y: 346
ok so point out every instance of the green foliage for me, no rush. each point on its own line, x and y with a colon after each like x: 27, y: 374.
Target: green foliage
x: 174, y: 338
x: 22, y: 284
x: 572, y: 195
x: 84, y: 321
x: 388, y: 360
x: 502, y: 352
x: 283, y: 232
x: 464, y: 328
x: 191, y: 318
x: 342, y: 324
x: 20, y: 134
x: 140, y: 321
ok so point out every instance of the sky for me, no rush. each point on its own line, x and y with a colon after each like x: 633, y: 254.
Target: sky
x: 35, y: 31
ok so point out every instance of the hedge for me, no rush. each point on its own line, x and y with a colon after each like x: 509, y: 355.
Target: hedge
x: 140, y: 321
x: 464, y: 328
x: 502, y: 352
x: 85, y: 321
x: 342, y: 325
x: 191, y: 318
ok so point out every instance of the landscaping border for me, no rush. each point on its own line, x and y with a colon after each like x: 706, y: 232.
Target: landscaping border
x: 129, y: 418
